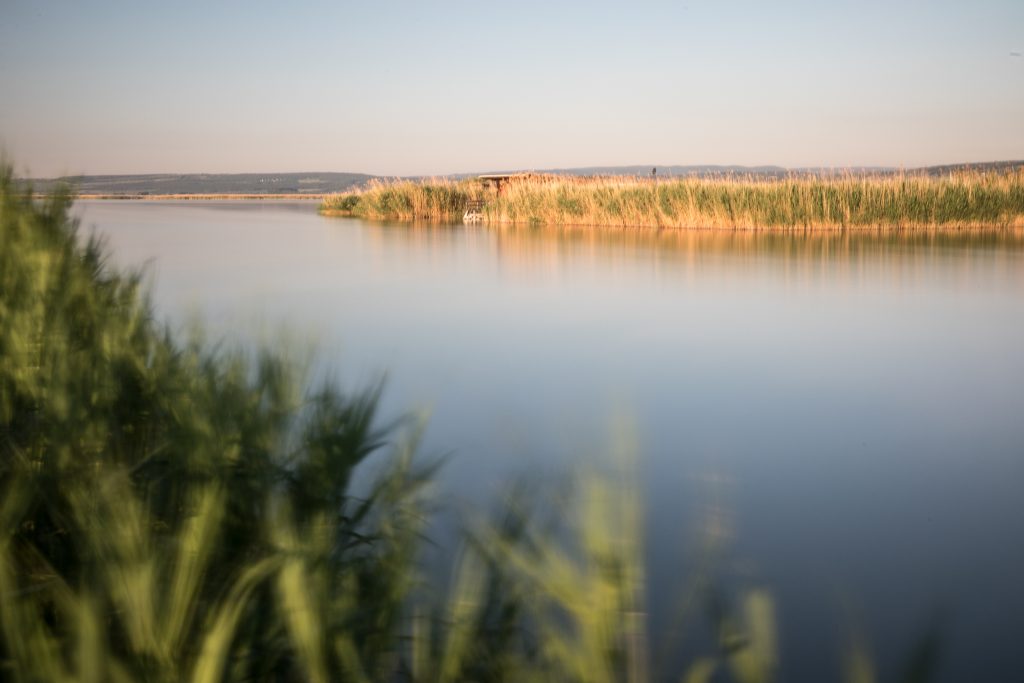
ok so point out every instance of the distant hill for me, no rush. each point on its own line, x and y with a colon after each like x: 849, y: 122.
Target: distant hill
x: 673, y: 171
x: 777, y: 171
x: 208, y: 183
x: 980, y: 166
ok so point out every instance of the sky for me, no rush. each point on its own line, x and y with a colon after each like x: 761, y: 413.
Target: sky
x: 429, y: 88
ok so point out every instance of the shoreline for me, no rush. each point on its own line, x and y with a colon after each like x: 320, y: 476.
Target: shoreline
x: 196, y: 196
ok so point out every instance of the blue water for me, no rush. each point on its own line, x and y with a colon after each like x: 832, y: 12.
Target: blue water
x: 852, y: 404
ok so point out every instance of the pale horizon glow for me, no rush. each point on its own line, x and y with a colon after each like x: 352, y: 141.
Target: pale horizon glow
x: 414, y: 88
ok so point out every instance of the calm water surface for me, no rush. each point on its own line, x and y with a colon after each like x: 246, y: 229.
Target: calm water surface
x: 855, y: 402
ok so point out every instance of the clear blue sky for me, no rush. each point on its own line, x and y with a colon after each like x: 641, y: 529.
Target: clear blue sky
x: 422, y: 87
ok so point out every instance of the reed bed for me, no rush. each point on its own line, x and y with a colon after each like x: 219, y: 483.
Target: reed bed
x: 969, y: 199
x: 406, y: 200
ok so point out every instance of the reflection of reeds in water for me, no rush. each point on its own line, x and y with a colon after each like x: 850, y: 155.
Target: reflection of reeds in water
x: 897, y: 201
x: 845, y: 256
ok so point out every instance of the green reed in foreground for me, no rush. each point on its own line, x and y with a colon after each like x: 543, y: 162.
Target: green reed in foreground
x: 169, y: 512
x: 958, y: 200
x: 149, y: 486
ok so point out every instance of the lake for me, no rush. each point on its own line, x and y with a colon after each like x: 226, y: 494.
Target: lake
x: 855, y: 402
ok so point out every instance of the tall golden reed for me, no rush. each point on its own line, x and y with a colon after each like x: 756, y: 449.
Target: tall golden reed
x: 967, y: 199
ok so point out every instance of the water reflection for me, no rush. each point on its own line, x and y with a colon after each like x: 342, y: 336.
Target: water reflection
x: 859, y: 393
x: 896, y: 255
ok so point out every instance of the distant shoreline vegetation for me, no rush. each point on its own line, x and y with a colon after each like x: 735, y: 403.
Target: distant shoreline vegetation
x: 198, y: 196
x: 211, y: 185
x: 959, y: 199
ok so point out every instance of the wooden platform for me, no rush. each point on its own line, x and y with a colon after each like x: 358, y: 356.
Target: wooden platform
x: 474, y: 211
